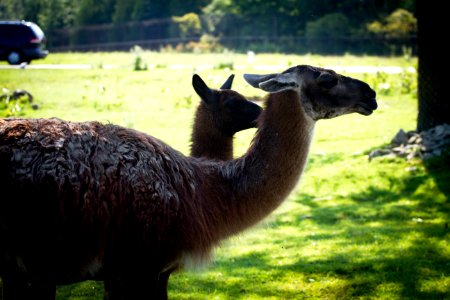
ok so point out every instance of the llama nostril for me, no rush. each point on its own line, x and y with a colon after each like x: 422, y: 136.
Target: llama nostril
x: 371, y: 94
x: 373, y: 103
x: 369, y: 102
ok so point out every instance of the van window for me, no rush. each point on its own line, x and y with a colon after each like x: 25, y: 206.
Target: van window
x: 37, y: 30
x: 7, y: 31
x: 15, y: 32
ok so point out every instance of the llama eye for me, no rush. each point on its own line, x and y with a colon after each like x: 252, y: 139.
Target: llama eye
x: 326, y: 80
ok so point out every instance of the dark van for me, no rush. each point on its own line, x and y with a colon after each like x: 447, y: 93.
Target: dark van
x: 21, y: 41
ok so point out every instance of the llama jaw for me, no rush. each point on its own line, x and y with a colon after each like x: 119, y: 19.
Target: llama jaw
x: 366, y: 107
x: 363, y: 110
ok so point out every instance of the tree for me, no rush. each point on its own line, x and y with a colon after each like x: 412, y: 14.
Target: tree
x: 188, y: 24
x: 122, y: 11
x: 399, y: 24
x: 328, y: 26
x: 434, y: 105
x: 181, y: 7
x: 150, y: 9
x: 94, y: 12
x: 56, y: 14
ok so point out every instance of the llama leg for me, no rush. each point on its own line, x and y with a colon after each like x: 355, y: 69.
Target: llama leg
x: 19, y: 289
x: 163, y: 281
x: 112, y: 289
x: 134, y: 288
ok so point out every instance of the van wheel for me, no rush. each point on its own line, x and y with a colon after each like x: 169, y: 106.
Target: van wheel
x: 14, y: 58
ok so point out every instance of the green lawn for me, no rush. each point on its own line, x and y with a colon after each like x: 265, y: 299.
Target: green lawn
x: 352, y: 229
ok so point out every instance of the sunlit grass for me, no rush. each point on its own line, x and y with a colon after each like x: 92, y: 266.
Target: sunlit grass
x: 157, y: 60
x: 352, y: 228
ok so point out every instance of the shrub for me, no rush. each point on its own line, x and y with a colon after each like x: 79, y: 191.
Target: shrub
x: 13, y: 103
x: 331, y: 25
x: 189, y: 24
x: 139, y: 64
x: 207, y: 44
x: 399, y: 24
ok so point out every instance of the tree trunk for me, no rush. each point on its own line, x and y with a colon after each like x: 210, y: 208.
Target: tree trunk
x: 434, y: 104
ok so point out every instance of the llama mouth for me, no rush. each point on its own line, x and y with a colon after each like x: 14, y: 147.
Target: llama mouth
x: 366, y: 107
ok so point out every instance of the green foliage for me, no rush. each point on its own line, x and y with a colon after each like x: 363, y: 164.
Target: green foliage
x: 400, y: 23
x: 13, y: 103
x: 224, y: 66
x: 87, y: 290
x: 123, y: 11
x: 56, y: 14
x: 220, y: 7
x: 49, y: 14
x: 404, y: 83
x: 239, y: 22
x: 207, y: 44
x: 330, y: 25
x: 188, y: 24
x: 292, y: 15
x: 148, y: 9
x: 139, y: 64
x: 94, y: 12
x: 408, y: 82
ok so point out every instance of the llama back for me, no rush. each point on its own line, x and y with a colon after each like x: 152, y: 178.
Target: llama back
x: 86, y: 158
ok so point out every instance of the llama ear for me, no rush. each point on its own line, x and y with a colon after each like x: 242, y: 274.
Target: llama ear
x: 274, y: 83
x: 202, y: 89
x: 254, y: 80
x: 227, y: 84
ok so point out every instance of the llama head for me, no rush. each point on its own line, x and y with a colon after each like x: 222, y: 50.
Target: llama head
x: 324, y: 93
x: 230, y: 111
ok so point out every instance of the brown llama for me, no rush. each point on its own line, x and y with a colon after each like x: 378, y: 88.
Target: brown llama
x: 102, y: 202
x: 220, y: 114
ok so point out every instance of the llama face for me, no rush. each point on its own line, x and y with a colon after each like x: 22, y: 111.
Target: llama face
x: 323, y: 93
x: 234, y: 113
x: 230, y: 111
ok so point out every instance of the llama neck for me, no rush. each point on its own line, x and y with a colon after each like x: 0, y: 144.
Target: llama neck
x: 207, y: 140
x: 264, y: 177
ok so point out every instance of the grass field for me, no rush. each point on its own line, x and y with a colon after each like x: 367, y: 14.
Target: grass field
x: 352, y: 229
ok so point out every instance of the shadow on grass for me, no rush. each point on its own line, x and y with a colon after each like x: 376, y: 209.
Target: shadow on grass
x: 413, y: 272
x: 408, y: 270
x: 360, y: 277
x: 389, y: 241
x: 403, y: 197
x: 86, y: 290
x: 412, y: 208
x: 439, y: 168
